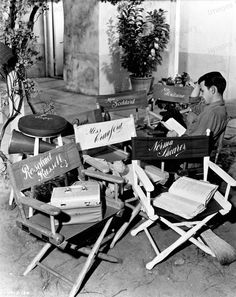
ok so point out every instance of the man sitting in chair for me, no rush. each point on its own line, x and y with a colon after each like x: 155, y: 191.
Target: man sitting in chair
x: 210, y: 113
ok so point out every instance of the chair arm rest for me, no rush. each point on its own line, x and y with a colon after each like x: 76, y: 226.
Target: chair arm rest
x: 40, y: 231
x: 225, y: 204
x: 185, y: 110
x: 96, y: 163
x: 40, y: 206
x: 145, y: 203
x: 224, y: 175
x: 143, y: 178
x: 155, y: 174
x: 123, y: 154
x: 107, y: 177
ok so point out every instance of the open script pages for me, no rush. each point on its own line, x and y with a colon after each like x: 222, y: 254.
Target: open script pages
x: 186, y: 197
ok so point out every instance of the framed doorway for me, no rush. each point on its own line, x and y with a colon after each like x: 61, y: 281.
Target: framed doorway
x: 54, y: 39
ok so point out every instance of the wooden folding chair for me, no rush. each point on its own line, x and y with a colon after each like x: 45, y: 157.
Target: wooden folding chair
x: 36, y: 171
x: 123, y: 104
x: 170, y: 153
x: 97, y: 143
x: 153, y: 149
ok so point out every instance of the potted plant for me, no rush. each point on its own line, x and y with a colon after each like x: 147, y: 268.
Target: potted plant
x: 143, y: 36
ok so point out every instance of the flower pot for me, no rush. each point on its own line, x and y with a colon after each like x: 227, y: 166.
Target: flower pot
x: 141, y: 83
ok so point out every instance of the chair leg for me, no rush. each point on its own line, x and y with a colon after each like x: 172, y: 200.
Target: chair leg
x: 177, y: 243
x: 151, y: 240
x: 198, y: 242
x: 141, y: 227
x: 37, y: 258
x: 89, y: 260
x: 123, y: 228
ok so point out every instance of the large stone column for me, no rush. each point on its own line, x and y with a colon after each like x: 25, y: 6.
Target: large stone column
x: 81, y: 46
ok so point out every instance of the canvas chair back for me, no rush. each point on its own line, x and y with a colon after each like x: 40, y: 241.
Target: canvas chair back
x: 163, y: 149
x: 172, y: 94
x: 44, y: 167
x: 104, y: 133
x: 129, y: 100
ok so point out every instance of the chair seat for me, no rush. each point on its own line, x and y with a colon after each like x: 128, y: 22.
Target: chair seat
x: 69, y: 231
x: 42, y: 125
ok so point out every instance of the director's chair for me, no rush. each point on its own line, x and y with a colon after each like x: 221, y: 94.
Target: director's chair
x: 149, y: 149
x: 36, y: 171
x: 122, y: 104
x: 98, y: 145
x: 170, y: 152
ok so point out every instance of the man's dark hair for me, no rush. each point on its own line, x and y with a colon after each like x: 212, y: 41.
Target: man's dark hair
x: 214, y: 78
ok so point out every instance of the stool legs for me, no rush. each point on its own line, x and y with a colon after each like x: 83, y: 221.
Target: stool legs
x: 36, y: 146
x: 59, y: 139
x: 11, y: 197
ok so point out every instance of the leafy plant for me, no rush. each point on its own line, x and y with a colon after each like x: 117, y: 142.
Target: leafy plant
x: 17, y: 19
x: 143, y: 36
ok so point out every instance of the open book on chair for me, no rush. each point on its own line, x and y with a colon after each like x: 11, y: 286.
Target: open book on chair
x: 171, y: 124
x: 186, y: 197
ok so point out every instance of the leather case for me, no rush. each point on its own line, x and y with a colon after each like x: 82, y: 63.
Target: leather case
x: 81, y: 202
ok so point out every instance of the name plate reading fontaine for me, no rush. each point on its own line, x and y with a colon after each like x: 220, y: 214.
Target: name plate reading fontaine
x: 170, y: 148
x: 123, y: 100
x: 172, y: 93
x: 41, y: 168
x: 104, y: 133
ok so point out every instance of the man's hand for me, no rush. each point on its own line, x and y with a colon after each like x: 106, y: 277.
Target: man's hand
x: 172, y: 134
x: 196, y: 91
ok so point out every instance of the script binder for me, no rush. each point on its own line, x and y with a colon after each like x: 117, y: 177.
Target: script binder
x: 171, y: 124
